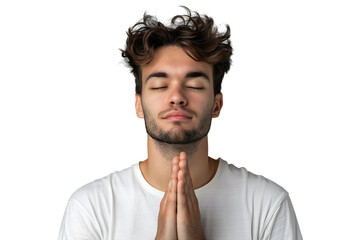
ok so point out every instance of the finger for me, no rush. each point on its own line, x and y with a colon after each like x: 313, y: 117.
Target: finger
x: 184, y: 165
x: 188, y: 193
x: 171, y: 193
x: 170, y: 206
x: 173, y: 176
x: 181, y: 189
x: 184, y: 175
x: 166, y: 195
x: 174, y: 168
x: 182, y: 199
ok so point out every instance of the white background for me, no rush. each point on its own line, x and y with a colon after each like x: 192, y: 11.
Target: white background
x: 291, y: 104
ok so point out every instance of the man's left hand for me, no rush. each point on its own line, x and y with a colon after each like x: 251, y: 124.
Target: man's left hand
x: 188, y: 212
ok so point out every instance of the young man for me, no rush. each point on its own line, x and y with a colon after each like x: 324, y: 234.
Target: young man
x: 179, y: 192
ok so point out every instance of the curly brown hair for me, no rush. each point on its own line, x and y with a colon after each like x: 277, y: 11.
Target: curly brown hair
x: 196, y: 34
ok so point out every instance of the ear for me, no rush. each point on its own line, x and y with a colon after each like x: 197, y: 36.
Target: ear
x: 218, y: 103
x: 138, y: 106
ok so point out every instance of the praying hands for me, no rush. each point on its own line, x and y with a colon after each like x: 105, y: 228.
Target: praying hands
x: 179, y: 215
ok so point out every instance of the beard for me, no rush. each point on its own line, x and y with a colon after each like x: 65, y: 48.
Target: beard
x: 178, y: 135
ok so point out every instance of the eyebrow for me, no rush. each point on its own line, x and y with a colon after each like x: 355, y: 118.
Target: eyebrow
x: 156, y: 75
x: 197, y: 74
x: 188, y: 75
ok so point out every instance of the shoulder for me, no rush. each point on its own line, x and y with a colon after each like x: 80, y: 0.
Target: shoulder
x: 89, y: 210
x: 259, y: 197
x: 102, y: 189
x: 256, y: 188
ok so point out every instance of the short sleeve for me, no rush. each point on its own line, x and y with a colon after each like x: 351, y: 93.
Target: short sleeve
x: 283, y: 224
x: 77, y: 224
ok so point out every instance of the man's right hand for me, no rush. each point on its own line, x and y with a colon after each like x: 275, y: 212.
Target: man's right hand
x: 167, y: 213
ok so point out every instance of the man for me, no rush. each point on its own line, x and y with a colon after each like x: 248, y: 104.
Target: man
x: 179, y: 192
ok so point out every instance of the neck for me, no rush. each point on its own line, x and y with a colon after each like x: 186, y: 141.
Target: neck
x: 157, y: 168
x: 168, y: 151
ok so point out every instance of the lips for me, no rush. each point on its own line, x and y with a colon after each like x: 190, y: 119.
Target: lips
x: 177, y: 115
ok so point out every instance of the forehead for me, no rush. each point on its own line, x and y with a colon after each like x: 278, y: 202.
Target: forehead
x: 174, y: 61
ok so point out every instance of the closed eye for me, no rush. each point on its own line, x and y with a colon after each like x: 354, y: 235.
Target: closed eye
x: 157, y: 88
x: 196, y: 88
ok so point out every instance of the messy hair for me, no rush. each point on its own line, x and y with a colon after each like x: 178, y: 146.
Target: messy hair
x: 196, y: 34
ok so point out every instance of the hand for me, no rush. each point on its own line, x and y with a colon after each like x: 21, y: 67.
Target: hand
x: 179, y: 215
x: 188, y: 212
x: 167, y: 213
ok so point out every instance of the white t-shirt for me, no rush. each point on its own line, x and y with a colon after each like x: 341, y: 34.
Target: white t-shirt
x: 235, y: 204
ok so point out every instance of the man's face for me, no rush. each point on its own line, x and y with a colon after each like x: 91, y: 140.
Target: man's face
x: 177, y: 99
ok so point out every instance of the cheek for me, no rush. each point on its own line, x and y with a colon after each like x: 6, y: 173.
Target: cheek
x: 152, y: 104
x: 202, y: 103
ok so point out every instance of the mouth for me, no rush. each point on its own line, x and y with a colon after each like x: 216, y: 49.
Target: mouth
x: 177, y: 115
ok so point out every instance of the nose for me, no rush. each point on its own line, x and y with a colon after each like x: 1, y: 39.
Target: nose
x: 177, y: 97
